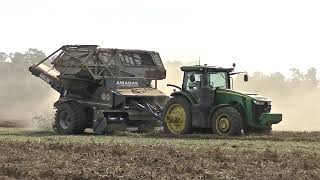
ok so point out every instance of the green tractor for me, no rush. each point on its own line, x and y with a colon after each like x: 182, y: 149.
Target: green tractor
x: 206, y: 101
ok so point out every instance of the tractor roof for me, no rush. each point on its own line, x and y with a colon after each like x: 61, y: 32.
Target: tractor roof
x: 208, y: 68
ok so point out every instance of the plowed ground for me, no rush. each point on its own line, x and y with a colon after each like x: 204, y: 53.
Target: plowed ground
x: 26, y: 154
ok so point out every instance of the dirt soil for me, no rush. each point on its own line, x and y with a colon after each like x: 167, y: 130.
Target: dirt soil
x: 44, y: 155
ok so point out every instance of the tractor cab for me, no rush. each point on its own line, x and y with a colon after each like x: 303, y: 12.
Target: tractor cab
x: 205, y: 79
x: 196, y: 77
x: 202, y: 82
x: 213, y: 77
x: 206, y: 100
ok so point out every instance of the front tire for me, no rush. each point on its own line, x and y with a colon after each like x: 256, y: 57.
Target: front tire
x: 70, y: 118
x: 227, y: 121
x: 177, y: 116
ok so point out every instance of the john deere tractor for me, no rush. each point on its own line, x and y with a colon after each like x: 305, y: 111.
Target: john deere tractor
x: 206, y: 101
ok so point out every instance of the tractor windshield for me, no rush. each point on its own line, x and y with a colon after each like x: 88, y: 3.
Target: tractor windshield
x: 218, y: 80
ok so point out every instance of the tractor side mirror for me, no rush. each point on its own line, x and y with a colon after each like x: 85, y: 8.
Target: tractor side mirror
x: 192, y: 78
x: 246, y: 78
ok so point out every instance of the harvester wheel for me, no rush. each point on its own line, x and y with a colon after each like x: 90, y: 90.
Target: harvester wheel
x: 70, y: 118
x: 227, y: 121
x: 177, y: 116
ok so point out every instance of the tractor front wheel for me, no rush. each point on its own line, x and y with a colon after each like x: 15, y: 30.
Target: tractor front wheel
x: 227, y: 121
x: 177, y: 116
x: 70, y: 118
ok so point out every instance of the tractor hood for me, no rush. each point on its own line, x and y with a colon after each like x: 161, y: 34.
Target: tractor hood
x: 252, y: 95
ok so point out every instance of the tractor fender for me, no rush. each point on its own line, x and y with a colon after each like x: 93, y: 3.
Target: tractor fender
x: 185, y: 95
x: 215, y: 108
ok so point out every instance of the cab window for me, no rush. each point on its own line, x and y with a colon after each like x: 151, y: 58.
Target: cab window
x: 218, y: 79
x: 192, y: 81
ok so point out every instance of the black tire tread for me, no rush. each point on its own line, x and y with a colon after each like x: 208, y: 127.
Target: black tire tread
x: 235, y: 118
x: 78, y: 118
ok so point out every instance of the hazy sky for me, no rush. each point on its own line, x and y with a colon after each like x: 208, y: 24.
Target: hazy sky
x: 269, y: 35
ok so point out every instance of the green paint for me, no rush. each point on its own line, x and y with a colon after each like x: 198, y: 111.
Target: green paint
x: 184, y: 94
x: 268, y: 119
x: 245, y: 100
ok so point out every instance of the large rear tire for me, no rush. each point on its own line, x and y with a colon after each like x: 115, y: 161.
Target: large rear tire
x: 177, y: 117
x: 70, y: 118
x: 227, y: 121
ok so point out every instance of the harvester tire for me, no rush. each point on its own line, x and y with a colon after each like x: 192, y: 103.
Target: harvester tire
x: 177, y: 117
x: 70, y: 118
x: 227, y: 121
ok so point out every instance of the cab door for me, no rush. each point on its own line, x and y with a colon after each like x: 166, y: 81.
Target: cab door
x: 192, y: 83
x: 196, y: 83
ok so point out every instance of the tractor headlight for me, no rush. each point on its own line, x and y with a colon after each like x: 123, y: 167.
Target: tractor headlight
x: 257, y: 102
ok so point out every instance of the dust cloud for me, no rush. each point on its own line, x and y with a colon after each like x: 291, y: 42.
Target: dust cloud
x: 23, y: 96
x: 28, y: 113
x: 174, y: 76
x: 299, y: 111
x: 298, y: 106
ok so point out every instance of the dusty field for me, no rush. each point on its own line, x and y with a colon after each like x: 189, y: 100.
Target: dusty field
x: 26, y: 154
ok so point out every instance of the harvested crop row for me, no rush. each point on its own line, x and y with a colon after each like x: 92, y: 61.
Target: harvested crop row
x: 149, y: 161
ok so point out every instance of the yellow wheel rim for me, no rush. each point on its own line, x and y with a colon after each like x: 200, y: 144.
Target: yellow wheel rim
x: 223, y: 123
x: 176, y: 118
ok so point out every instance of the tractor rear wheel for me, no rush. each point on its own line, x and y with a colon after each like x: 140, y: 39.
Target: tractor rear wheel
x: 177, y: 116
x: 70, y: 118
x: 227, y: 121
